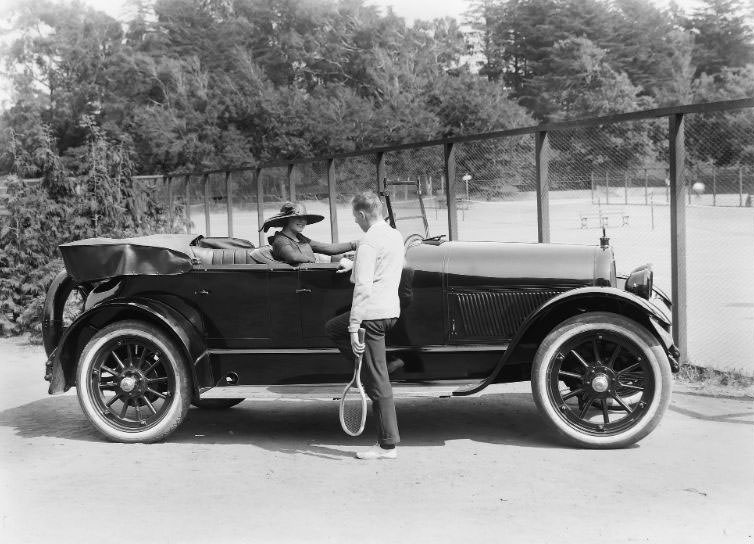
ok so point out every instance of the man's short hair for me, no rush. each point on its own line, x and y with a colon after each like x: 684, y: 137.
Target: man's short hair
x: 368, y: 202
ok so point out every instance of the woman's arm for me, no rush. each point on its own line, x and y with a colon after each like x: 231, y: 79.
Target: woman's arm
x: 333, y: 249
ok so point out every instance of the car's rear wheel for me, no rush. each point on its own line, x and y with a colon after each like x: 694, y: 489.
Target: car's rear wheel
x: 216, y: 404
x: 132, y: 382
x: 589, y: 365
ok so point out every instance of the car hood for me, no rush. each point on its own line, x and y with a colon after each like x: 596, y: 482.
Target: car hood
x: 518, y: 263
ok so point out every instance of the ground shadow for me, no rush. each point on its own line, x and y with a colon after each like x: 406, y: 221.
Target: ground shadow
x: 311, y: 427
x: 713, y: 395
x: 720, y: 418
x: 703, y: 406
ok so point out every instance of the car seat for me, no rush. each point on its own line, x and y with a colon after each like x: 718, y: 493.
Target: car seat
x: 208, y: 256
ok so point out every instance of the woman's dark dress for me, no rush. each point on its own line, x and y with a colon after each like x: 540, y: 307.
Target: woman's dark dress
x: 301, y: 250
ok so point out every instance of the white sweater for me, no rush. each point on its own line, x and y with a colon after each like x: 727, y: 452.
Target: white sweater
x: 376, y: 274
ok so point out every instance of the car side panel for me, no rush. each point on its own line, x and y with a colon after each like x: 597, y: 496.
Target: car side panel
x: 323, y: 293
x: 327, y: 365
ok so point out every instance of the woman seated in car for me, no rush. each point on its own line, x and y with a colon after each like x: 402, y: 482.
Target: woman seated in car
x: 292, y: 247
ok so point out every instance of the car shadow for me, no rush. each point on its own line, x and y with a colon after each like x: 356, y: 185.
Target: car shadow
x: 312, y: 427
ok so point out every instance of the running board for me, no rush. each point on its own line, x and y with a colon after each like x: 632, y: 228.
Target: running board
x: 332, y: 391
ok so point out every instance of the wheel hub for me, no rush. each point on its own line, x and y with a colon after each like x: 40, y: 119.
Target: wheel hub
x: 128, y: 384
x: 600, y: 383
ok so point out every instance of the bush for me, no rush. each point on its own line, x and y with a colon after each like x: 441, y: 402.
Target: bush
x: 101, y: 201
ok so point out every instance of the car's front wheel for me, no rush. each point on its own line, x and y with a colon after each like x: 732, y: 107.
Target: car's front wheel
x: 601, y: 380
x: 132, y: 382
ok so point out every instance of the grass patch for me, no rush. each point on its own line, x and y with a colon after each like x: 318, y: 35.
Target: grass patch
x: 699, y: 375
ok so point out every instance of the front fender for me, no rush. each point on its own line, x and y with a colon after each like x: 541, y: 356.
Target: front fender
x: 586, y: 299
x: 600, y: 295
x: 185, y: 330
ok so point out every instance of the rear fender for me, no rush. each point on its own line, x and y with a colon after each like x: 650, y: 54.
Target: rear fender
x: 52, y: 313
x: 586, y: 299
x: 61, y: 365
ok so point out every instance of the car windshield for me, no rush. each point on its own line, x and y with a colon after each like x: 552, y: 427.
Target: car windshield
x: 418, y: 206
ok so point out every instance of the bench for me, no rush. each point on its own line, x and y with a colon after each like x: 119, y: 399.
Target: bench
x: 602, y: 219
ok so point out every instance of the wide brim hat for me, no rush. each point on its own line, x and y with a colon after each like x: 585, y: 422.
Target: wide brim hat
x: 291, y: 210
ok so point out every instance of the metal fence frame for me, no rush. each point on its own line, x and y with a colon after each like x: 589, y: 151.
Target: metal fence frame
x: 677, y: 189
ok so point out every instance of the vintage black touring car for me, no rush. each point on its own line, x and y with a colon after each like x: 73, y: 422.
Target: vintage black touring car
x: 170, y: 320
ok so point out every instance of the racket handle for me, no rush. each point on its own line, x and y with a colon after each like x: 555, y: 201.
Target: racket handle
x: 362, y: 334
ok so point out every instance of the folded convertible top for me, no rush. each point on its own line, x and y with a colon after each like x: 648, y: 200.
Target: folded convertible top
x: 101, y: 258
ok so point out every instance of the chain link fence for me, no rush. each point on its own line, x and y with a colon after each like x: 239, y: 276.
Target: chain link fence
x: 496, y: 189
x: 584, y: 176
x: 719, y: 165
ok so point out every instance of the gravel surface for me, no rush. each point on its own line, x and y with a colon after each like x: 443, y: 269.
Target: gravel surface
x: 482, y: 469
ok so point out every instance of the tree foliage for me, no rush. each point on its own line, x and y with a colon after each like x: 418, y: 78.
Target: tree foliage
x: 659, y: 50
x: 722, y: 37
x: 103, y: 200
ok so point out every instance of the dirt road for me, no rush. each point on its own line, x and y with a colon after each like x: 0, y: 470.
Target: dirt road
x: 480, y: 469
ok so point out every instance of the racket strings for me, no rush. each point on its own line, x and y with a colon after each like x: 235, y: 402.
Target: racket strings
x: 352, y: 410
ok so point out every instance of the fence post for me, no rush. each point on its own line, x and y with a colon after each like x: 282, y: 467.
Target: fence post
x: 229, y: 202
x: 381, y: 171
x: 541, y: 161
x: 260, y: 204
x: 714, y: 186
x: 740, y: 187
x: 449, y: 168
x: 667, y: 189
x: 282, y: 185
x: 607, y: 186
x: 678, y: 233
x: 205, y: 181
x: 333, y: 202
x: 688, y: 186
x: 591, y: 184
x: 188, y: 203
x: 625, y: 188
x: 168, y: 180
x: 291, y: 183
x: 646, y: 188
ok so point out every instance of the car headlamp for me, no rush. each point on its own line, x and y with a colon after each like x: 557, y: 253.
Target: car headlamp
x: 639, y: 281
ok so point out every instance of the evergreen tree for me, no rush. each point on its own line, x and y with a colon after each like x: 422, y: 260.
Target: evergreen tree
x: 722, y: 36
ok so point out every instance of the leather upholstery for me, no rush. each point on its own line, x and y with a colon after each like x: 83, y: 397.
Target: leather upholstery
x: 209, y: 257
x: 224, y: 243
x: 263, y: 255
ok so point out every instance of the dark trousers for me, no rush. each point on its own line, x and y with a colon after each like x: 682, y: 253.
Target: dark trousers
x: 374, y: 376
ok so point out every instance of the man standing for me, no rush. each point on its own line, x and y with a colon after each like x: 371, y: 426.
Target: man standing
x: 375, y: 307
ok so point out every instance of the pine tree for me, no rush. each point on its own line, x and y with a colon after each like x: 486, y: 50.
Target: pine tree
x: 723, y: 37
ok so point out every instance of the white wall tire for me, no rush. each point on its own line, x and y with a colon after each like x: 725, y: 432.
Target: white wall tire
x: 132, y: 383
x: 577, y: 393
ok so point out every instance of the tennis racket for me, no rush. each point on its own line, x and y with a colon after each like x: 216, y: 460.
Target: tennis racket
x: 353, y: 403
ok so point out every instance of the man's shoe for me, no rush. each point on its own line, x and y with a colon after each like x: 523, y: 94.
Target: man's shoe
x: 395, y: 364
x: 376, y: 452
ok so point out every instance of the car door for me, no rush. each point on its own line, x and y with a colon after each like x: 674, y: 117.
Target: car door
x: 249, y: 305
x: 323, y: 294
x: 326, y: 293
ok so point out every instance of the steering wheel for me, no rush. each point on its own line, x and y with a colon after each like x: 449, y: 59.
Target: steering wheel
x: 412, y: 240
